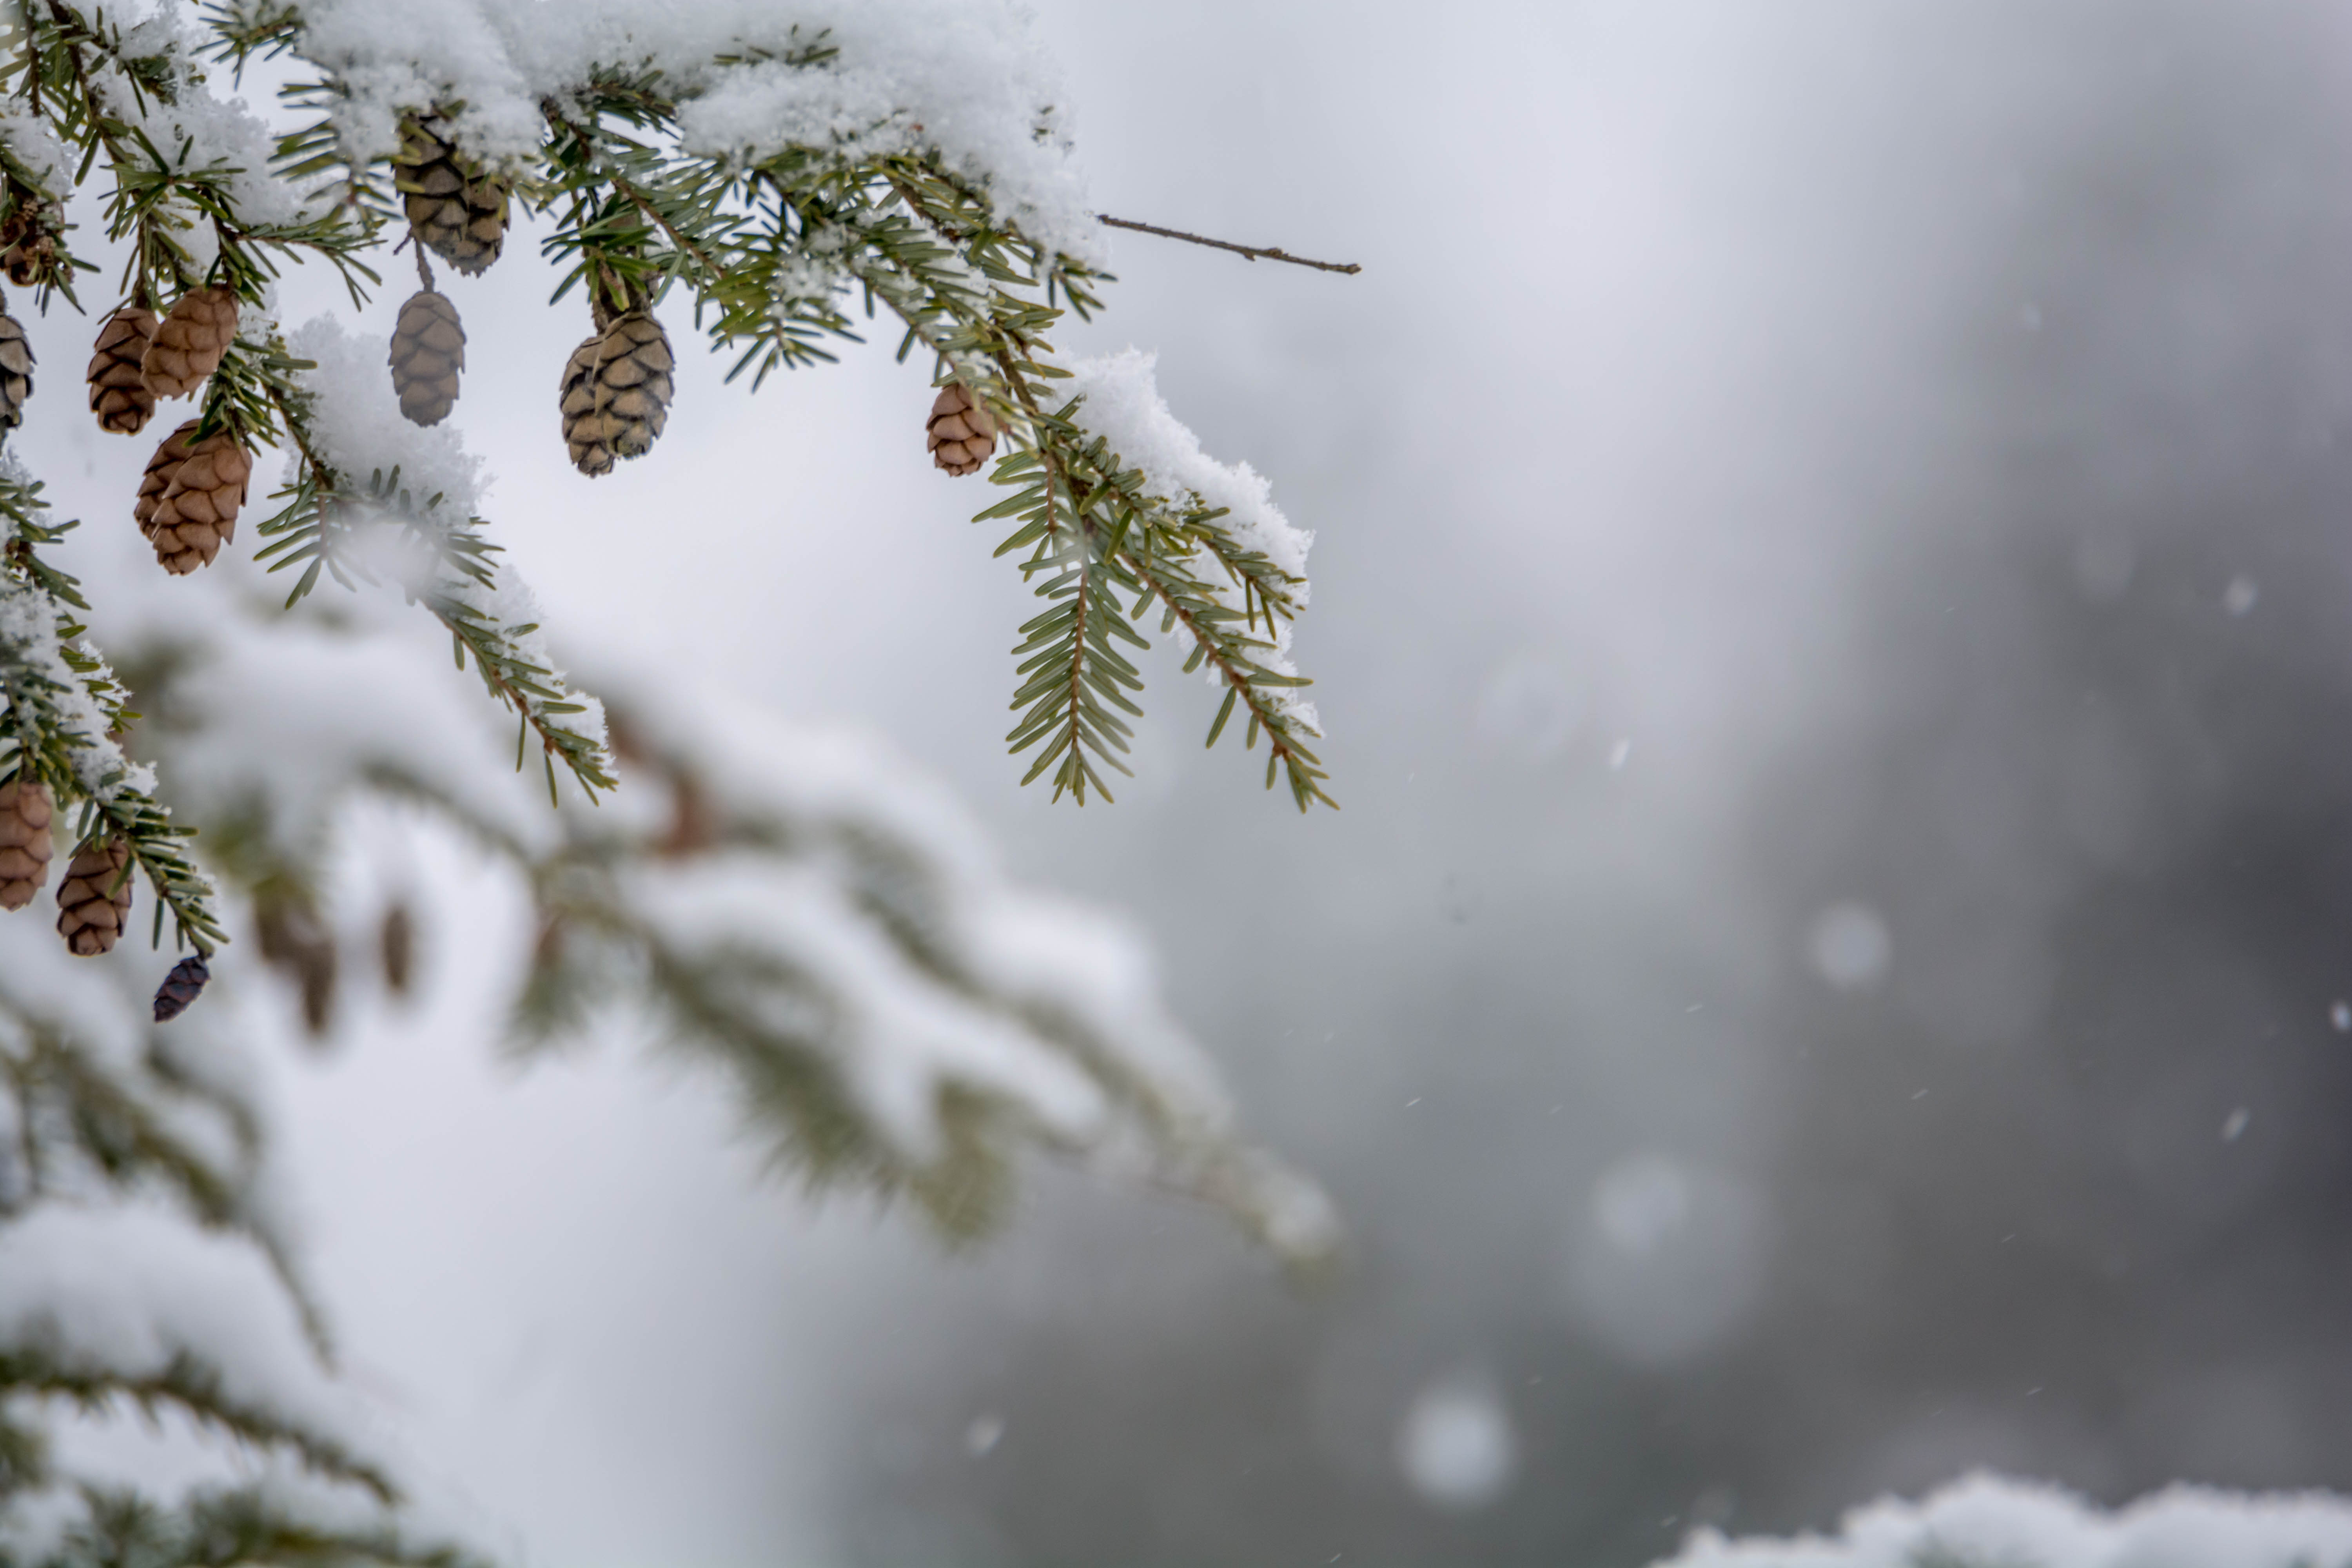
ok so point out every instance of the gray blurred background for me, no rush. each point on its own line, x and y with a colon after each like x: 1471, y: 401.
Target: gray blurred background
x: 1833, y: 616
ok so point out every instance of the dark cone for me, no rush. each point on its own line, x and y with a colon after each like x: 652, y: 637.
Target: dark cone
x: 181, y: 986
x: 94, y: 900
x: 161, y: 470
x: 198, y: 512
x: 963, y: 436
x: 15, y: 372
x: 617, y: 392
x: 188, y: 346
x: 428, y: 350
x: 118, y: 392
x: 25, y: 847
x: 398, y: 941
x: 457, y: 209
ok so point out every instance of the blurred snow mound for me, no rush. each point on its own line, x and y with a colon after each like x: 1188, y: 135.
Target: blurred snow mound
x: 1991, y: 1521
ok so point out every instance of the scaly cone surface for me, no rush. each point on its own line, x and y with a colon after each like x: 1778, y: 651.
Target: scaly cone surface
x: 94, y: 900
x: 428, y: 351
x: 197, y: 514
x: 188, y: 346
x: 459, y: 212
x: 118, y: 390
x: 617, y: 392
x: 24, y: 848
x: 962, y: 434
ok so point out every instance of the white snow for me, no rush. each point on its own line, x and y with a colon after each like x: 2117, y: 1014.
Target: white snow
x: 35, y: 146
x: 1987, y: 1521
x: 966, y: 77
x: 125, y: 1292
x: 1124, y: 406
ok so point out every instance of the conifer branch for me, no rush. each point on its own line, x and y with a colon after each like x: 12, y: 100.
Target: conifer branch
x: 187, y: 1385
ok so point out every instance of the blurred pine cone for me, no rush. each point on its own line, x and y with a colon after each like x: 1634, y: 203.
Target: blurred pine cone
x: 188, y: 346
x: 94, y: 900
x: 15, y: 370
x: 181, y: 986
x: 963, y: 436
x: 25, y: 847
x: 118, y: 393
x: 457, y: 209
x: 197, y: 514
x: 428, y: 350
x: 617, y: 392
x: 161, y: 467
x: 28, y: 240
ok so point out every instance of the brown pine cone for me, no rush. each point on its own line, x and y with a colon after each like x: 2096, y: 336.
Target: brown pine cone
x: 457, y: 209
x: 182, y: 987
x: 94, y: 900
x: 963, y: 436
x: 617, y: 392
x: 28, y: 240
x: 188, y: 346
x: 25, y: 847
x: 161, y: 467
x: 117, y: 395
x: 428, y: 350
x: 197, y: 514
x: 15, y: 372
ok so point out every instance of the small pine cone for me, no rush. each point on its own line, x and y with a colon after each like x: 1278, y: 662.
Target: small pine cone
x: 31, y: 260
x: 617, y: 392
x: 161, y: 468
x: 458, y: 210
x: 963, y: 436
x: 28, y: 240
x: 188, y: 346
x: 198, y: 514
x: 118, y: 393
x: 15, y: 372
x: 181, y: 987
x: 24, y: 848
x: 94, y: 900
x: 428, y: 350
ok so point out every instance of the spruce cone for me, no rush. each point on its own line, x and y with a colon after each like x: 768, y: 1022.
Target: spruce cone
x: 181, y: 987
x: 189, y: 345
x: 458, y: 210
x: 117, y: 395
x: 963, y: 436
x: 428, y: 350
x: 24, y: 848
x: 28, y: 240
x: 161, y: 467
x: 617, y: 392
x: 15, y: 372
x: 197, y: 514
x: 94, y: 900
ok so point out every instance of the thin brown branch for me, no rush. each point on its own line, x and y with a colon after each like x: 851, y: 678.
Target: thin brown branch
x: 1269, y: 252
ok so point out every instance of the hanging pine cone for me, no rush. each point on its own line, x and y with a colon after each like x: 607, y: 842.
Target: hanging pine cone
x: 188, y: 346
x: 181, y: 987
x: 15, y: 370
x: 166, y: 463
x: 28, y: 238
x: 94, y: 900
x: 24, y: 848
x: 457, y: 209
x: 197, y: 512
x: 963, y: 436
x: 428, y: 350
x: 118, y: 393
x: 617, y: 392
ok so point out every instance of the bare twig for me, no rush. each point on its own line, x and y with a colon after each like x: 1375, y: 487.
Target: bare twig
x: 1271, y: 252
